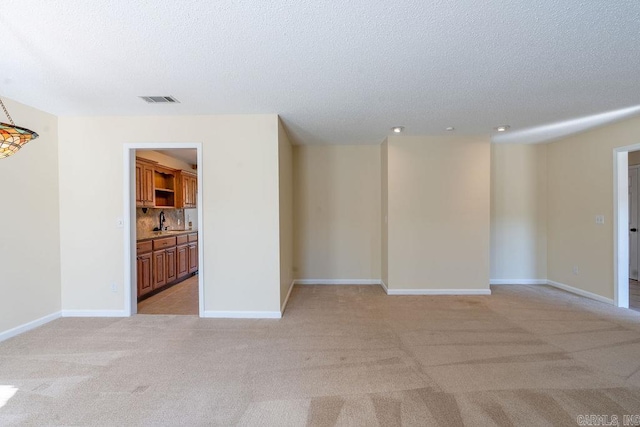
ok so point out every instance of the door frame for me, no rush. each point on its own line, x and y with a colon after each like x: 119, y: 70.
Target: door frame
x: 635, y: 168
x: 129, y: 193
x: 621, y: 224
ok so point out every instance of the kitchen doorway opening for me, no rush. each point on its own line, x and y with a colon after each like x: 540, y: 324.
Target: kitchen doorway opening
x: 622, y: 212
x: 163, y: 234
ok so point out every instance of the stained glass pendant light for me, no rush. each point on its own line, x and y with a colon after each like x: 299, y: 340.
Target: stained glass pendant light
x: 13, y: 137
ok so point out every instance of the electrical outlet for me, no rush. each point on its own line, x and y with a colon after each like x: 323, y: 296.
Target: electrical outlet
x: 114, y: 287
x: 119, y: 222
x: 600, y: 219
x: 575, y: 269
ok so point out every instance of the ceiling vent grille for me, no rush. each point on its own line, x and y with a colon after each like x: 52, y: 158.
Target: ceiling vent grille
x: 160, y: 99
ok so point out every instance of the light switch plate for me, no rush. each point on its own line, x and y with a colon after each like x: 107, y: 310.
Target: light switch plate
x: 120, y: 222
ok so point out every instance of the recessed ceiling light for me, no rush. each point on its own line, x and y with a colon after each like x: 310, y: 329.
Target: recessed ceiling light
x: 397, y: 129
x: 502, y: 128
x: 450, y: 128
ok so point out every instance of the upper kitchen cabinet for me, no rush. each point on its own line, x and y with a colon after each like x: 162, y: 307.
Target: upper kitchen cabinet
x: 165, y: 187
x: 188, y: 185
x: 145, y: 183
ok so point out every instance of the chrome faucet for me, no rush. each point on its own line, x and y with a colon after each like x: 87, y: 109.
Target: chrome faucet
x: 162, y: 220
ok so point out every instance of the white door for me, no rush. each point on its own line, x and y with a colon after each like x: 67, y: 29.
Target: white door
x: 633, y: 223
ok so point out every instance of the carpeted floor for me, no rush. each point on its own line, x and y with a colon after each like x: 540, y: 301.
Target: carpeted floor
x: 342, y: 355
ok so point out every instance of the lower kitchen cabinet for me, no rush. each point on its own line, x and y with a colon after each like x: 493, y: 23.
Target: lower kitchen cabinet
x: 170, y: 260
x: 165, y: 260
x: 183, y: 260
x: 193, y: 252
x: 159, y: 269
x: 144, y: 274
x: 193, y: 257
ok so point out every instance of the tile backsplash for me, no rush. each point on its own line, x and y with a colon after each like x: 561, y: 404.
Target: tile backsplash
x: 146, y: 222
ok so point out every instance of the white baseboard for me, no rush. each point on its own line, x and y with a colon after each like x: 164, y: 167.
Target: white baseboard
x: 518, y: 281
x: 580, y: 292
x: 438, y: 291
x: 286, y: 300
x: 216, y: 314
x: 337, y: 281
x: 94, y: 313
x: 384, y: 287
x: 28, y: 326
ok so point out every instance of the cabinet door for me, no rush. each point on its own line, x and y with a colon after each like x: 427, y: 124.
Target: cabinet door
x: 194, y: 192
x: 190, y: 191
x: 148, y: 188
x: 170, y: 260
x: 159, y: 269
x: 193, y: 257
x: 139, y: 185
x: 144, y: 274
x: 183, y: 261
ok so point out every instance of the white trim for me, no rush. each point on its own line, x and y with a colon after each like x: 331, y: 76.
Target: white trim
x: 439, y: 292
x: 200, y: 210
x: 337, y: 281
x: 129, y: 290
x: 621, y: 224
x: 286, y: 300
x: 384, y: 287
x: 580, y: 292
x: 216, y: 314
x: 95, y: 313
x: 517, y: 281
x: 28, y: 326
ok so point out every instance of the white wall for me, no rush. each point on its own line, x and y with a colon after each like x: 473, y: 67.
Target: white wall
x: 580, y: 186
x: 240, y: 223
x: 285, y: 166
x: 518, y: 213
x: 337, y: 212
x: 30, y: 243
x: 438, y: 212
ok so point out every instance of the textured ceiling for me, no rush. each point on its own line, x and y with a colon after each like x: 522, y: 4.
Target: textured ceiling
x: 335, y: 71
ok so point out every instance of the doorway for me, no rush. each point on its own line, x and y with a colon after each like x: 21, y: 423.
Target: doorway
x: 163, y: 237
x: 634, y: 232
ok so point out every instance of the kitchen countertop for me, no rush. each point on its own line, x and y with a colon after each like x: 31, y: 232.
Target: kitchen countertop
x: 148, y: 235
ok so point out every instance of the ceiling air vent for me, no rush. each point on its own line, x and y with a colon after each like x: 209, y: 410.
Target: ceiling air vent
x: 160, y: 99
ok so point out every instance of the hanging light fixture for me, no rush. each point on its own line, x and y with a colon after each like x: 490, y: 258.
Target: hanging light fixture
x: 13, y: 137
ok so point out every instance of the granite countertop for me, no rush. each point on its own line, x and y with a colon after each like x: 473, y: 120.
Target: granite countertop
x: 148, y: 235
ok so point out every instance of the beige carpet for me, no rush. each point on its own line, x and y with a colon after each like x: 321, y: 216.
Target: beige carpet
x: 527, y: 355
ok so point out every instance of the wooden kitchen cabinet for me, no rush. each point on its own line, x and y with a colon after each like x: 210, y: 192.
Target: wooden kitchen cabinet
x: 145, y: 190
x: 144, y: 274
x: 188, y: 197
x: 182, y: 256
x: 144, y: 267
x: 164, y: 261
x: 171, y: 273
x: 182, y: 260
x: 193, y: 252
x: 164, y: 181
x: 159, y: 269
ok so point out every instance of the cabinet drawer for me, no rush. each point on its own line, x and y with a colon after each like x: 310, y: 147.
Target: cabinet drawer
x: 193, y: 237
x: 163, y: 243
x: 144, y: 247
x: 182, y: 239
